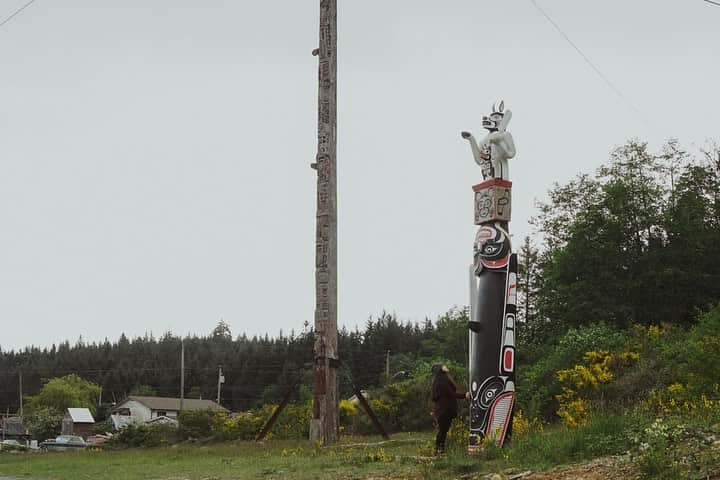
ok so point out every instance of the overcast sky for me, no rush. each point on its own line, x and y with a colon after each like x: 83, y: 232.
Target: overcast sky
x: 154, y: 154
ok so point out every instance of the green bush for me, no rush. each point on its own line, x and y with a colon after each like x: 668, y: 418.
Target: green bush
x: 44, y: 423
x: 678, y: 370
x: 537, y: 384
x: 143, y: 436
x: 656, y: 462
x: 243, y: 426
x: 701, y: 356
x: 293, y: 422
x: 348, y: 412
x: 385, y: 412
x: 199, y: 423
x: 406, y: 405
x: 658, y: 452
x: 677, y: 446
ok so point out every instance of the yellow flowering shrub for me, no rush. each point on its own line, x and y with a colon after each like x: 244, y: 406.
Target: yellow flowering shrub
x: 292, y: 423
x: 573, y: 411
x: 653, y: 332
x: 580, y: 382
x: 244, y: 426
x: 678, y: 399
x: 523, y: 425
x: 627, y: 358
x: 347, y: 409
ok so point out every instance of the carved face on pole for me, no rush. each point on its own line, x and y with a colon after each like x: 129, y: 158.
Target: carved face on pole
x: 492, y: 122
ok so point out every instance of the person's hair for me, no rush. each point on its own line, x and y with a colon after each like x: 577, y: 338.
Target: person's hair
x: 441, y: 375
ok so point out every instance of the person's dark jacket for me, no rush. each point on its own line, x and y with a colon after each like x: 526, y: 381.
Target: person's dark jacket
x: 445, y: 395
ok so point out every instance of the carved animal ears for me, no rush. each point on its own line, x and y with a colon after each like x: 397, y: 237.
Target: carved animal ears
x: 498, y: 107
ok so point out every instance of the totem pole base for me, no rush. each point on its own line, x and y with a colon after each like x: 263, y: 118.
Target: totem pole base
x: 475, y: 446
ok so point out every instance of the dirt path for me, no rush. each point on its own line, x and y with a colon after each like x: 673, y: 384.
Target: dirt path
x: 605, y: 468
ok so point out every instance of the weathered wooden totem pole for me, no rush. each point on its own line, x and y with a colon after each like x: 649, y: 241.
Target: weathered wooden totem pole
x: 493, y: 281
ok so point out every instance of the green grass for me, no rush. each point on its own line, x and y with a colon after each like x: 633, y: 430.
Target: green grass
x: 557, y: 445
x: 604, y: 435
x: 406, y: 456
x: 243, y: 460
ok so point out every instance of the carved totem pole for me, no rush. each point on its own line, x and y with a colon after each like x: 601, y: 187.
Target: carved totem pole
x: 325, y: 417
x: 493, y: 280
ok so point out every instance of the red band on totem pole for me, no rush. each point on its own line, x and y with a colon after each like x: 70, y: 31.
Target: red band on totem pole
x: 489, y: 183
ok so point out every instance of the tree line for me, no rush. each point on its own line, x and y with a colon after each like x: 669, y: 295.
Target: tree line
x: 257, y: 369
x: 636, y: 242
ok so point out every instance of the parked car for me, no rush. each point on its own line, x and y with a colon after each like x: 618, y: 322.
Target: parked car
x: 98, y: 440
x: 64, y: 442
x: 10, y: 445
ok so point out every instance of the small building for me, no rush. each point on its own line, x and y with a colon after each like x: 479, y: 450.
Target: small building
x: 78, y: 421
x: 144, y: 409
x: 12, y: 428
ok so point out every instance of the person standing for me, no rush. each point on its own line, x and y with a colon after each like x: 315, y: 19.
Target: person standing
x: 445, y: 409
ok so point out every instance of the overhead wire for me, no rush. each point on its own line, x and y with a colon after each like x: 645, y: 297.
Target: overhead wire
x: 591, y: 64
x: 16, y: 12
x: 711, y: 2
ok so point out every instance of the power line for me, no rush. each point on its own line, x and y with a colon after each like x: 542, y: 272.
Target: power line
x: 713, y: 3
x: 12, y: 15
x: 591, y: 64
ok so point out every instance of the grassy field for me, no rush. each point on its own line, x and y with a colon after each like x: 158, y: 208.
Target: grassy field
x: 607, y: 439
x: 407, y: 455
x: 242, y: 460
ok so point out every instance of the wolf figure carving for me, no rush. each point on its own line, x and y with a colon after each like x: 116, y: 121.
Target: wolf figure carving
x: 494, y: 151
x: 493, y: 283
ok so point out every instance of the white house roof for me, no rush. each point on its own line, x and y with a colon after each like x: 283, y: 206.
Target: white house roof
x: 81, y: 415
x: 171, y: 404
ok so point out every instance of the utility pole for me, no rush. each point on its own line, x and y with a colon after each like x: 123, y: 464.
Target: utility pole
x: 387, y: 366
x: 324, y: 423
x: 182, y: 373
x: 221, y: 380
x: 21, y: 393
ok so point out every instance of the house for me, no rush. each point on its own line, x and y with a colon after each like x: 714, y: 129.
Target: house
x: 144, y: 409
x: 78, y: 421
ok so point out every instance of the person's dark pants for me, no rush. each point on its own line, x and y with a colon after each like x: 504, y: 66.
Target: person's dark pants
x: 444, y: 422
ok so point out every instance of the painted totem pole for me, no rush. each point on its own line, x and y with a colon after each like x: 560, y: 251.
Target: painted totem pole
x: 493, y: 280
